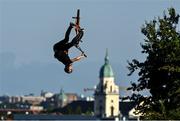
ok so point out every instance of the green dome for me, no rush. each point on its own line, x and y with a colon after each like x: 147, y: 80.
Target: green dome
x: 106, y: 69
x: 62, y: 96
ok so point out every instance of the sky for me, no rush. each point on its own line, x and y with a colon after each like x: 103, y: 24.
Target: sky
x: 30, y: 28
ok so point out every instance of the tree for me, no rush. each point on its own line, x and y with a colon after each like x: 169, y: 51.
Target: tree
x: 78, y: 110
x: 69, y: 110
x: 160, y: 72
x: 89, y: 111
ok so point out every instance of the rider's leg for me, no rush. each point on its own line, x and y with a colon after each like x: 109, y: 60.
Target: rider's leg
x: 78, y: 37
x: 75, y: 40
x: 66, y: 39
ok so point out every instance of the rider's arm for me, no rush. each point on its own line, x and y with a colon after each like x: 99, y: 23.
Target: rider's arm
x: 77, y: 58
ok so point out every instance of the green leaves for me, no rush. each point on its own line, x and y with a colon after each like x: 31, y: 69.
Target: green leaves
x: 160, y: 72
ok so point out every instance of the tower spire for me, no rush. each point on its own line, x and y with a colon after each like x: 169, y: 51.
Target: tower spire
x: 106, y: 57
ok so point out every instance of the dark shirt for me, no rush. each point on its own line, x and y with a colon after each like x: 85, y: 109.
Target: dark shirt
x: 61, y: 53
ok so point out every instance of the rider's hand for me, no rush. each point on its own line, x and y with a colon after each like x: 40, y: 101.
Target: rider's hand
x: 82, y: 55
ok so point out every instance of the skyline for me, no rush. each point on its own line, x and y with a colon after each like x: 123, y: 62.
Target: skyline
x: 30, y: 28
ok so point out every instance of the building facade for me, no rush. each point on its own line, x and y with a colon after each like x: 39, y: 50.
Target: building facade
x: 106, y: 104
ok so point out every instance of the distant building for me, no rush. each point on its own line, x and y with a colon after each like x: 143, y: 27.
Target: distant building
x: 46, y: 94
x: 57, y: 100
x: 5, y: 99
x: 85, y: 98
x: 15, y: 99
x: 71, y: 97
x: 34, y: 100
x: 106, y: 95
x: 62, y: 99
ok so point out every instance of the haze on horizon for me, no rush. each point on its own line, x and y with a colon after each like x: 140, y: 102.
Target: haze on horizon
x: 30, y: 28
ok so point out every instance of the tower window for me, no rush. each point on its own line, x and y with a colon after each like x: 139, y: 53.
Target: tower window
x: 100, y: 110
x: 111, y: 89
x: 112, y: 111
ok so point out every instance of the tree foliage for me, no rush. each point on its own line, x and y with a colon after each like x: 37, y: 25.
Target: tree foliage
x: 160, y: 72
x: 78, y: 110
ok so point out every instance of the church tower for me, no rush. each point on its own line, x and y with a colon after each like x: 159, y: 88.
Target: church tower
x: 106, y: 104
